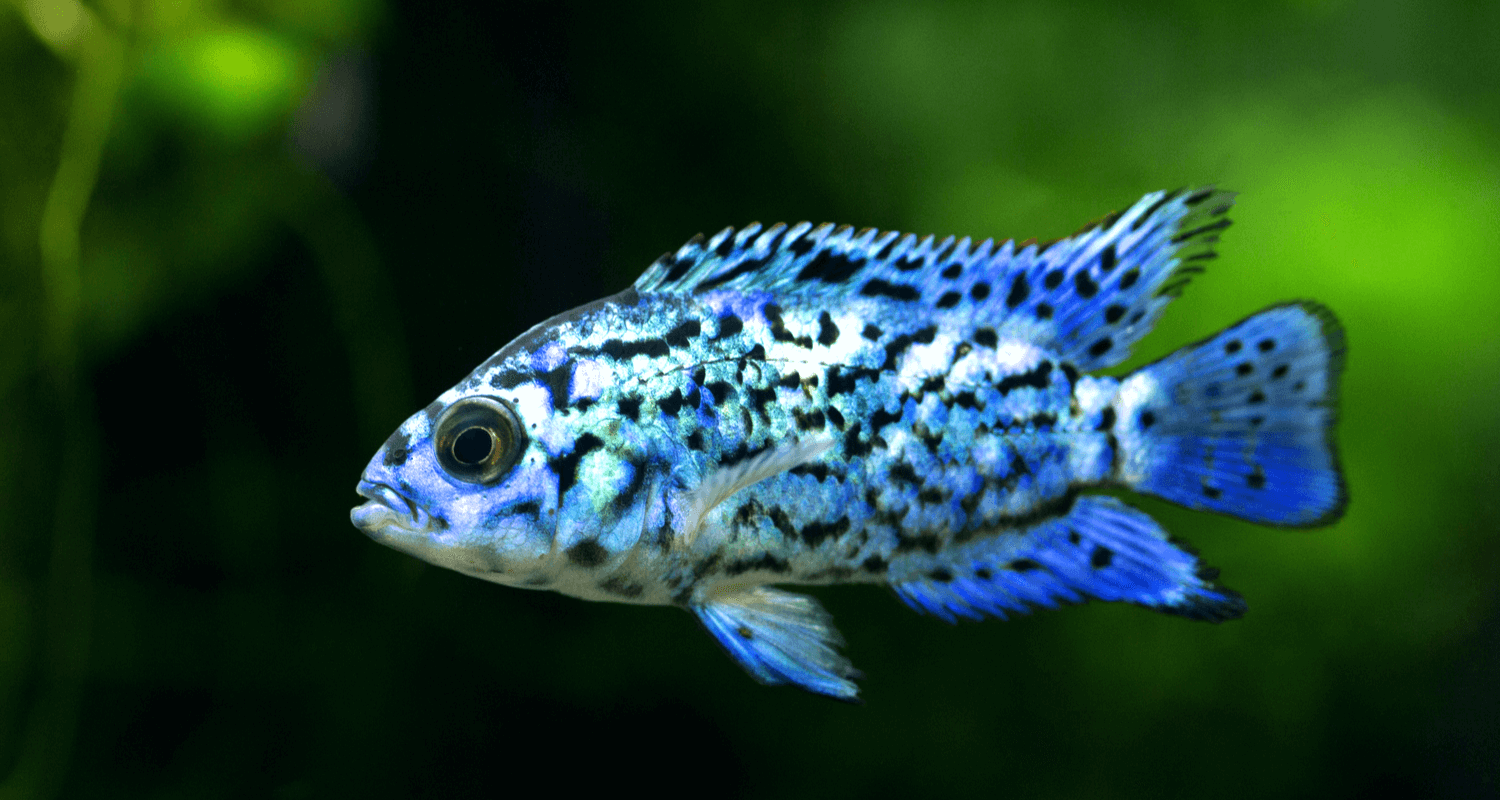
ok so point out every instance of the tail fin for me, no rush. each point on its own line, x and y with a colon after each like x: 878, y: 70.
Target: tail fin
x: 1242, y: 423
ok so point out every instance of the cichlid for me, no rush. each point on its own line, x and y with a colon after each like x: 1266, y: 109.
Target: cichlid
x: 816, y: 405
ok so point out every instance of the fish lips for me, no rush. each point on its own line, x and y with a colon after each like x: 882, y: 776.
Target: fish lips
x: 388, y: 512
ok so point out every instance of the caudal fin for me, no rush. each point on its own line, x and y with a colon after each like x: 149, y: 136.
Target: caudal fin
x: 1242, y: 423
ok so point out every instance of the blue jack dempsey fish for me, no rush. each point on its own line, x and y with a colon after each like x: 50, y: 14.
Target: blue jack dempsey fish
x: 817, y: 405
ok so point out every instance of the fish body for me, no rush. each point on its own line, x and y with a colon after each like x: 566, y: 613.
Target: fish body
x: 815, y: 405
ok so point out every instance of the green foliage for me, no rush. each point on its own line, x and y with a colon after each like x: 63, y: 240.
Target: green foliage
x: 235, y: 235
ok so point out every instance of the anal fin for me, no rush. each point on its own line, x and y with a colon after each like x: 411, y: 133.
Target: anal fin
x: 1100, y: 549
x: 780, y: 637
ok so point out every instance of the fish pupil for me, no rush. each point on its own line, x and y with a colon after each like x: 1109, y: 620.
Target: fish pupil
x: 473, y: 446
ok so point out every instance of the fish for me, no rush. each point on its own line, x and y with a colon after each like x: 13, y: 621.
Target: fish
x: 810, y: 405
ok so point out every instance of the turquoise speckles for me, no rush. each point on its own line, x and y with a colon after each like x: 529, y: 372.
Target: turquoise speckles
x: 814, y: 405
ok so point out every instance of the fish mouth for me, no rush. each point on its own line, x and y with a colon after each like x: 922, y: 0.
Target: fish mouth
x: 386, y: 509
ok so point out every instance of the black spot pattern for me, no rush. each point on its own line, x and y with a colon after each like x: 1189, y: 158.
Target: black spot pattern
x: 565, y: 466
x: 895, y: 291
x: 587, y: 554
x: 1019, y: 290
x: 828, y: 333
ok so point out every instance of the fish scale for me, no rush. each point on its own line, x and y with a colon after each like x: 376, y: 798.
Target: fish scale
x: 814, y: 404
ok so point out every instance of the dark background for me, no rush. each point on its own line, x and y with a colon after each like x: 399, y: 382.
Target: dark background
x: 243, y: 240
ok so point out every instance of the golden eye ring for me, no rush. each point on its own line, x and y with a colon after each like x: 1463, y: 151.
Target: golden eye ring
x: 478, y: 439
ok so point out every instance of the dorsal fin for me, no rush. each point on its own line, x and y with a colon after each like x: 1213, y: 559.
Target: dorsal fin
x: 1089, y: 295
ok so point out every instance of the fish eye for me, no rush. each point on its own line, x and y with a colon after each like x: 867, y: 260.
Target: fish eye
x: 478, y: 439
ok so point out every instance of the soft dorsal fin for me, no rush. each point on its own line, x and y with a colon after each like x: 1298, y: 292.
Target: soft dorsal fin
x: 1089, y: 296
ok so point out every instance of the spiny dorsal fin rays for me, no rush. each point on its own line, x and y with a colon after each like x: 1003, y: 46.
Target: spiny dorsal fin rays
x: 1089, y: 296
x: 720, y: 484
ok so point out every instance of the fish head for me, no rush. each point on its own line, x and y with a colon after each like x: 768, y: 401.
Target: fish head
x: 462, y: 485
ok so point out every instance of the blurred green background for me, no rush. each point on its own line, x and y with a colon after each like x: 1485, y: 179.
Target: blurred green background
x: 240, y: 240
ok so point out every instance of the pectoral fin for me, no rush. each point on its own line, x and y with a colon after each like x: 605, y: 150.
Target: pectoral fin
x: 780, y: 637
x: 720, y: 484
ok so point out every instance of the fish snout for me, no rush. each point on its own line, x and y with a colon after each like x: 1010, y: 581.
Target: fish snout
x: 387, y: 508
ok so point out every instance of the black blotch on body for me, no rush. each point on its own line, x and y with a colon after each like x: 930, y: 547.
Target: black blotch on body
x: 1266, y: 345
x: 1106, y: 419
x: 587, y: 553
x: 882, y: 418
x: 1101, y: 557
x: 672, y: 404
x: 835, y: 417
x: 778, y: 328
x: 1256, y: 479
x: 729, y: 325
x: 875, y: 564
x: 1053, y: 279
x: 1128, y: 279
x: 828, y: 333
x: 679, y: 336
x: 1043, y: 311
x: 871, y: 332
x: 853, y: 447
x: 807, y: 421
x: 1023, y: 565
x: 766, y: 562
x: 624, y: 351
x: 566, y: 466
x: 1101, y: 347
x: 986, y: 337
x: 1280, y: 371
x: 760, y: 397
x: 626, y: 497
x: 782, y: 522
x: 980, y: 291
x: 1233, y: 346
x: 953, y: 271
x: 949, y: 299
x: 1148, y: 418
x: 818, y: 470
x: 905, y: 473
x: 1113, y: 313
x: 876, y: 287
x: 1257, y: 396
x: 1244, y: 369
x: 721, y: 390
x: 695, y: 439
x: 1037, y: 377
x: 941, y: 575
x: 814, y: 533
x: 616, y: 585
x: 556, y: 380
x: 1210, y: 492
